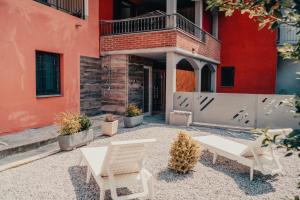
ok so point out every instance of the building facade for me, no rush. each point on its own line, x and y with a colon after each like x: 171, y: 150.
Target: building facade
x: 94, y: 56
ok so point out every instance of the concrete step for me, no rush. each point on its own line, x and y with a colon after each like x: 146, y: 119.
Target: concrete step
x: 27, y: 140
x: 29, y: 156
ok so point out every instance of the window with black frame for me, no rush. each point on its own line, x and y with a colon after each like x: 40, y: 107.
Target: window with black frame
x: 47, y: 74
x: 227, y: 76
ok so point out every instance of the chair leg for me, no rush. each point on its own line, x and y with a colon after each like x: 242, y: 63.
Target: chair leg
x: 214, y: 158
x: 102, y: 194
x: 150, y: 186
x: 88, y: 175
x: 81, y: 162
x: 251, y: 173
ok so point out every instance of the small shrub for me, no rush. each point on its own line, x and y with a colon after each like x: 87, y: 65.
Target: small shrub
x: 184, y: 153
x: 109, y: 118
x: 85, y: 123
x: 69, y: 123
x: 132, y: 111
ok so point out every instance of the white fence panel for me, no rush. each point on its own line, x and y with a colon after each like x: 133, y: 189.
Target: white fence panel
x: 225, y: 109
x: 274, y: 113
x: 243, y: 110
x: 183, y: 101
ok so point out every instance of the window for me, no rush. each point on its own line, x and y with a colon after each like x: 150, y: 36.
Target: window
x: 47, y: 73
x: 227, y: 76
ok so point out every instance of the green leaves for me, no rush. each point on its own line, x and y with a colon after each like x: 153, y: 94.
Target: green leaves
x: 268, y: 13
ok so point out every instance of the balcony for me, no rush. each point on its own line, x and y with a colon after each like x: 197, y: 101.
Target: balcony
x: 288, y: 35
x: 161, y: 32
x: 74, y: 7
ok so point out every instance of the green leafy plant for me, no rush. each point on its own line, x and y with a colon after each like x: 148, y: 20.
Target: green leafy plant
x: 69, y: 123
x: 266, y: 13
x: 132, y: 111
x: 85, y: 123
x: 184, y: 154
x: 109, y: 118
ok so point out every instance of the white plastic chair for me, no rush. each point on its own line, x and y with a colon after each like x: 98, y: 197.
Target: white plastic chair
x: 121, y: 164
x: 252, y: 155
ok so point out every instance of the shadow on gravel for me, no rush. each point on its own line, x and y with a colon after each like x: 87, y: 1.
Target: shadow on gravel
x: 171, y: 176
x: 261, y: 184
x: 89, y: 191
x: 82, y: 189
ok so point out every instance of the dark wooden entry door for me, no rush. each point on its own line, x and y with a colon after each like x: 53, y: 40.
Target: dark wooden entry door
x: 206, y: 79
x: 159, y: 90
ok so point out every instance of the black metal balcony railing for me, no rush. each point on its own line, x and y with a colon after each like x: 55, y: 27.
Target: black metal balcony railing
x: 288, y: 34
x: 73, y: 7
x: 152, y: 23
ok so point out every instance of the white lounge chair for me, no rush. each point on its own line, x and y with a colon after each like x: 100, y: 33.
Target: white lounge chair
x: 252, y: 155
x: 121, y: 164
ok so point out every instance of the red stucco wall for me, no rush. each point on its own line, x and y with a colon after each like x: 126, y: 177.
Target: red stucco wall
x: 253, y: 53
x: 106, y: 9
x: 207, y: 21
x: 27, y: 26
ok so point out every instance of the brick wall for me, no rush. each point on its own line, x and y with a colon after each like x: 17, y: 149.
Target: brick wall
x: 211, y: 48
x: 90, y: 85
x: 171, y: 38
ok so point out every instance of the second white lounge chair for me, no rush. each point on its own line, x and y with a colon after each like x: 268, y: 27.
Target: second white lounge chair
x: 121, y: 164
x: 252, y: 155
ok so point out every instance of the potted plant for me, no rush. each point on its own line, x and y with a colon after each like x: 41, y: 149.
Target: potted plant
x: 110, y: 125
x: 133, y: 116
x: 74, y: 130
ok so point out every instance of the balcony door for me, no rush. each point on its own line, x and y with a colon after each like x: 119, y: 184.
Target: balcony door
x: 159, y: 90
x: 147, y: 90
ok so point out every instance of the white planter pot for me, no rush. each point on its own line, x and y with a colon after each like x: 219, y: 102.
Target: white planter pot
x: 130, y: 122
x: 110, y: 128
x: 70, y: 142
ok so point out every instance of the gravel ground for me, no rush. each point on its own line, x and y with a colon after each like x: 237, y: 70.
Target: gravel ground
x: 60, y: 177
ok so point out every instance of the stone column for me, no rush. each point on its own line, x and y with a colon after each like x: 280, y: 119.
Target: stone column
x: 170, y: 10
x: 214, y: 79
x: 198, y: 79
x: 199, y: 13
x: 215, y: 25
x: 170, y: 82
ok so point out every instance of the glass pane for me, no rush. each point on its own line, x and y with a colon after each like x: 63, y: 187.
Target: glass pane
x: 146, y: 90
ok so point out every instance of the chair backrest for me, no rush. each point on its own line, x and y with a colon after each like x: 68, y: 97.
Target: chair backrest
x: 257, y: 144
x: 125, y: 157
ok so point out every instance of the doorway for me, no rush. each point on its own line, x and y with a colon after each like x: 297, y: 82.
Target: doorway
x: 159, y: 90
x: 147, y: 90
x: 206, y: 79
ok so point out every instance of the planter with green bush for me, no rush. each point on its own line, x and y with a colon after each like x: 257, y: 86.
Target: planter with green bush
x: 74, y: 130
x: 133, y: 116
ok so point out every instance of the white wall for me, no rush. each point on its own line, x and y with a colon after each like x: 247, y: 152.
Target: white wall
x: 241, y: 110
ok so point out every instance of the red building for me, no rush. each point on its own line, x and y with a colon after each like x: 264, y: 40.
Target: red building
x: 52, y: 59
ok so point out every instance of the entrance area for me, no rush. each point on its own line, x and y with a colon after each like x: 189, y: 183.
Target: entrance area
x: 147, y: 90
x: 206, y: 78
x: 159, y: 90
x: 185, y: 77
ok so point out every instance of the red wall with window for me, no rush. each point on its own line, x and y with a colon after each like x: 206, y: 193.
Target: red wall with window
x: 28, y: 26
x: 253, y: 53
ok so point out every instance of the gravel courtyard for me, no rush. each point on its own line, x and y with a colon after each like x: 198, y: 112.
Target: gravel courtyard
x: 60, y: 177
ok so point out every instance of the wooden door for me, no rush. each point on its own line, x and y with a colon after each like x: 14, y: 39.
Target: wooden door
x: 159, y: 90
